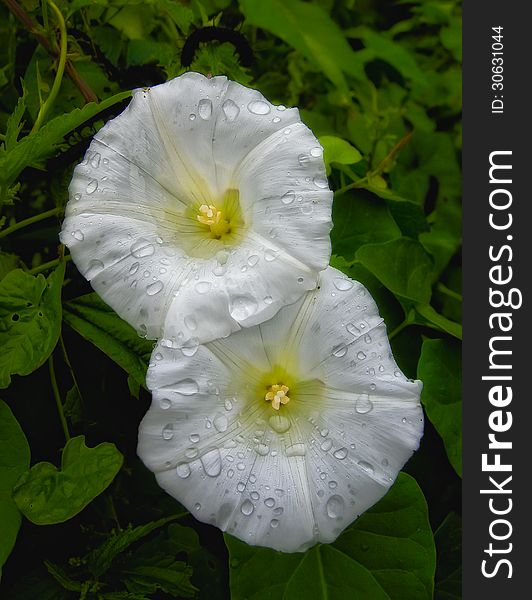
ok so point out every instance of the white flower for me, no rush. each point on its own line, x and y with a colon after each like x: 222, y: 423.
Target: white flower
x: 204, y: 202
x: 284, y: 433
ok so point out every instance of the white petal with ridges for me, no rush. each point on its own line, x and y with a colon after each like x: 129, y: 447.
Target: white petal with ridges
x: 179, y: 145
x: 284, y: 484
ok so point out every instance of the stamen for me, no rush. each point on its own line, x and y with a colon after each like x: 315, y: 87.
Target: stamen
x: 276, y: 394
x: 209, y: 215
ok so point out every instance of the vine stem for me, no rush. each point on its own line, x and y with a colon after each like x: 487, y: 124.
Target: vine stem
x: 35, y: 219
x: 45, y: 108
x: 409, y: 319
x: 57, y: 397
x: 49, y: 265
x: 30, y: 25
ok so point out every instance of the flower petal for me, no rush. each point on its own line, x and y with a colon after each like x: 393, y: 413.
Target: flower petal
x: 291, y: 477
x: 179, y: 146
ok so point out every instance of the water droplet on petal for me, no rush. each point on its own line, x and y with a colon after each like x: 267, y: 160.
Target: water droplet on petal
x: 78, y: 235
x: 230, y: 109
x: 274, y: 523
x: 366, y: 466
x: 335, y: 507
x: 92, y: 186
x: 192, y: 117
x: 316, y: 152
x: 303, y: 159
x: 197, y: 506
x: 270, y: 502
x: 190, y: 347
x: 205, y: 109
x: 164, y: 403
x: 220, y: 423
x: 288, y: 197
x: 333, y: 485
x: 247, y: 508
x: 295, y: 450
x: 361, y: 355
x: 77, y: 196
x: 202, y: 287
x: 134, y: 268
x: 168, y: 432
x: 268, y: 300
x: 186, y: 387
x: 342, y: 284
x: 194, y: 438
x: 253, y: 260
x: 242, y: 307
x: 326, y: 445
x: 262, y: 449
x: 241, y: 487
x: 183, y: 470
x: 321, y: 182
x: 212, y: 462
x: 270, y: 255
x: 339, y: 351
x: 279, y: 423
x: 191, y: 452
x: 95, y: 267
x: 340, y: 454
x: 95, y: 160
x: 154, y: 288
x: 258, y: 107
x: 255, y: 495
x: 142, y: 248
x: 363, y: 404
x: 228, y: 404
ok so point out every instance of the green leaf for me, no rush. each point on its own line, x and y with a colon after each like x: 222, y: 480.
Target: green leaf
x: 443, y: 323
x: 309, y: 29
x: 448, y: 538
x: 337, y: 150
x: 46, y: 495
x: 30, y: 321
x: 439, y: 368
x: 387, y: 554
x: 100, y: 559
x: 14, y: 124
x: 402, y: 265
x: 174, y: 580
x: 100, y: 325
x: 359, y: 220
x: 14, y: 460
x: 35, y: 147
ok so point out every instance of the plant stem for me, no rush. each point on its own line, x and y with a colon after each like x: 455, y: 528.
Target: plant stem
x: 48, y: 265
x: 441, y: 287
x: 45, y: 108
x: 30, y: 25
x: 69, y: 365
x: 35, y: 219
x: 57, y: 397
x: 409, y: 319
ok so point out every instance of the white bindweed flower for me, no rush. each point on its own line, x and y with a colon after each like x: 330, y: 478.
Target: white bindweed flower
x: 204, y: 202
x: 284, y: 433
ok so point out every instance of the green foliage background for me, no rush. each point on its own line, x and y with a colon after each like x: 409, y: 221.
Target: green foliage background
x: 379, y: 83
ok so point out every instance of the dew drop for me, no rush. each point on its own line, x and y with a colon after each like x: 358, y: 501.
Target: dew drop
x: 197, y: 506
x: 276, y: 120
x: 202, y: 287
x: 186, y: 387
x: 212, y: 462
x: 363, y: 405
x: 268, y: 300
x: 342, y: 284
x: 366, y: 466
x: 194, y: 438
x: 321, y: 182
x: 183, y: 470
x: 339, y: 351
x: 230, y: 109
x: 190, y: 347
x: 262, y: 449
x: 255, y: 495
x: 134, y: 268
x: 95, y: 267
x: 326, y: 445
x: 278, y: 511
x: 164, y: 403
x: 142, y: 248
x: 228, y: 404
x: 335, y: 507
x: 220, y: 423
x: 192, y: 117
x: 295, y: 450
x: 168, y: 432
x: 270, y: 502
x: 333, y: 485
x: 279, y: 423
x: 288, y: 197
x: 303, y: 159
x: 78, y: 235
x: 270, y: 255
x: 95, y: 160
x: 242, y: 307
x: 258, y: 107
x: 247, y: 508
x: 241, y: 487
x: 361, y: 355
x: 340, y: 454
x: 230, y: 473
x: 274, y: 523
x: 241, y: 466
x: 253, y: 260
x: 191, y: 452
x: 92, y: 186
x: 316, y: 152
x: 205, y: 109
x: 77, y: 196
x: 154, y: 288
x: 403, y: 420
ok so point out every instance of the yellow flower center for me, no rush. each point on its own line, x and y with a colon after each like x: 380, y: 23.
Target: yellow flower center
x: 209, y: 215
x: 277, y: 395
